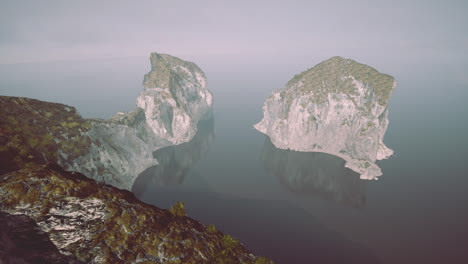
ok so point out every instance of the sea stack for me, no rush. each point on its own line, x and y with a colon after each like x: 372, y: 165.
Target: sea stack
x: 115, y: 151
x: 338, y: 107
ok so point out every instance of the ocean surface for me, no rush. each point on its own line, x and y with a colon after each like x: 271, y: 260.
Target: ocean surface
x: 289, y: 206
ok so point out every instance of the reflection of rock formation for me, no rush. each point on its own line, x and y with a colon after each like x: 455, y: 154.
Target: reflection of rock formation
x: 114, y: 151
x: 338, y: 107
x: 174, y: 162
x: 314, y: 173
x: 279, y: 229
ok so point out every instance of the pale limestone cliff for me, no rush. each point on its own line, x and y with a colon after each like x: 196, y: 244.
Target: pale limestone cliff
x: 113, y: 151
x: 174, y: 99
x: 338, y: 107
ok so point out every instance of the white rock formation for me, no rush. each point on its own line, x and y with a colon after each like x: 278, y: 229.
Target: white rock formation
x: 175, y: 98
x: 168, y: 110
x: 338, y: 107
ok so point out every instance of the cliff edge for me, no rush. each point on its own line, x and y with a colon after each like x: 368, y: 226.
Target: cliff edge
x: 114, y: 151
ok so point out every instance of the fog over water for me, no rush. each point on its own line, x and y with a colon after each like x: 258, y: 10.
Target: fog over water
x: 273, y: 199
x: 94, y: 56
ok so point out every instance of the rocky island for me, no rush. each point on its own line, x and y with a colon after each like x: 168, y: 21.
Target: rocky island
x: 338, y: 107
x: 113, y: 151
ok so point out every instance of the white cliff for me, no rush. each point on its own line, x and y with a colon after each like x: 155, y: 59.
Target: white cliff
x: 338, y: 107
x: 174, y: 99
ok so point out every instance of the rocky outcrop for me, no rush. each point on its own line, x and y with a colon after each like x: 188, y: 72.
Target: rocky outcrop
x: 117, y: 150
x: 36, y: 132
x: 23, y: 242
x: 338, y: 107
x: 175, y: 98
x: 98, y: 223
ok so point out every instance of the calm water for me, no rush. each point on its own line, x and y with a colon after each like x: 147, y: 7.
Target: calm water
x: 298, y: 207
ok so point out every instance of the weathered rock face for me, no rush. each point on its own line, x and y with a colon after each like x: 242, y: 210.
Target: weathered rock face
x: 23, y: 242
x: 97, y: 223
x: 114, y: 151
x: 337, y: 107
x: 175, y: 98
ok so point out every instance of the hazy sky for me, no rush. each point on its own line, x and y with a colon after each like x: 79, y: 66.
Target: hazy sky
x: 38, y: 31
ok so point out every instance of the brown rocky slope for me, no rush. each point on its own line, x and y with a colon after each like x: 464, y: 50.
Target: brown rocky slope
x: 98, y: 223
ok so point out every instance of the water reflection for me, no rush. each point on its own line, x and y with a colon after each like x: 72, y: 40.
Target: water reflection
x: 314, y: 173
x: 175, y: 161
x: 279, y: 229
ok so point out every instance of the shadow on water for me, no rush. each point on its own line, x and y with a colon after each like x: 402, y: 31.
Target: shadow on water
x: 174, y: 162
x: 314, y: 173
x: 278, y: 229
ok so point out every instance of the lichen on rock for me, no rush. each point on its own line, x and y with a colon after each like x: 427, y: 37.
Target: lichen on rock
x: 338, y: 107
x: 175, y: 97
x: 98, y: 223
x: 36, y: 132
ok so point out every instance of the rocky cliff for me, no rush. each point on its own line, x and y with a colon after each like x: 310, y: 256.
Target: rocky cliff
x: 114, y: 151
x: 23, y: 242
x: 175, y: 98
x: 338, y: 107
x: 79, y: 220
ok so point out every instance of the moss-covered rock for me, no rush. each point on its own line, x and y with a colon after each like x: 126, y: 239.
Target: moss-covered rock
x: 33, y: 132
x: 327, y: 78
x: 102, y: 224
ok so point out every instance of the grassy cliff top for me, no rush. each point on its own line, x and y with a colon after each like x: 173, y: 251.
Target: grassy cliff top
x: 163, y: 74
x: 115, y: 227
x: 33, y: 131
x: 332, y: 76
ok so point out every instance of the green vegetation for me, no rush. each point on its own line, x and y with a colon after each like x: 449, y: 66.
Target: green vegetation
x: 69, y: 125
x: 331, y: 76
x: 32, y: 132
x: 263, y: 260
x: 129, y: 230
x: 178, y: 209
x: 230, y: 242
x: 211, y: 228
